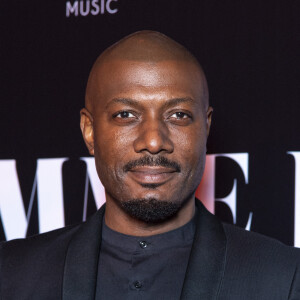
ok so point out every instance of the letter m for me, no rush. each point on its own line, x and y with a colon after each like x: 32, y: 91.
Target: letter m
x: 71, y: 9
x: 47, y: 183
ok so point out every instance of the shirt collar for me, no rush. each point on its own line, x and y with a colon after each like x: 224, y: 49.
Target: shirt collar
x: 175, y: 238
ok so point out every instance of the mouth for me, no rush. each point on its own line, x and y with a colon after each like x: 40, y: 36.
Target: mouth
x: 152, y: 176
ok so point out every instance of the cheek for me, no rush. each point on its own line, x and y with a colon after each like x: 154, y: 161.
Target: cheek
x: 112, y: 144
x: 190, y: 144
x: 191, y: 153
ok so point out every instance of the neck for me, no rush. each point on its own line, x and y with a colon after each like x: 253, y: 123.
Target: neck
x: 118, y: 220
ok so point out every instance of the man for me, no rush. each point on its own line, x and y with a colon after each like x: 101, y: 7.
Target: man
x: 146, y: 121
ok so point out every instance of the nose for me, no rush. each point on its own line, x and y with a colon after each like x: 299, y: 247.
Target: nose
x: 153, y: 137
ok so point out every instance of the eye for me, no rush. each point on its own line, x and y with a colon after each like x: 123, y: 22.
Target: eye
x: 180, y: 118
x: 124, y: 115
x: 180, y: 115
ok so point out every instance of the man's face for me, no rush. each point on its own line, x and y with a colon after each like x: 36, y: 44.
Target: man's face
x: 150, y: 126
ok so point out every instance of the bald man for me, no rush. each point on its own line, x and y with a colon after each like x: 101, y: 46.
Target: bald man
x: 146, y: 120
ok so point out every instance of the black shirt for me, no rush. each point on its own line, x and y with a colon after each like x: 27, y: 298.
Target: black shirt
x: 151, y: 267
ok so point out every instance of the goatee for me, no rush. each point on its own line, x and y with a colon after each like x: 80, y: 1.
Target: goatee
x: 151, y: 210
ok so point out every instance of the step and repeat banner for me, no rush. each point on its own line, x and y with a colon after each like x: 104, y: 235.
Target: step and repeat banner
x: 250, y: 53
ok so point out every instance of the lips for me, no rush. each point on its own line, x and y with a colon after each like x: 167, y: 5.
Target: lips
x: 152, y: 175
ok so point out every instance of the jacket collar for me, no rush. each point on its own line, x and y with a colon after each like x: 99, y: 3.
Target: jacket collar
x: 204, y: 272
x: 81, y: 265
x: 207, y: 259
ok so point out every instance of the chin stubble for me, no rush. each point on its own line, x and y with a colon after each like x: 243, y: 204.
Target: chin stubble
x: 151, y: 210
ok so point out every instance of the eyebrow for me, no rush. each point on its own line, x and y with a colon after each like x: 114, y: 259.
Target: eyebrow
x: 132, y: 102
x: 126, y: 101
x: 175, y: 101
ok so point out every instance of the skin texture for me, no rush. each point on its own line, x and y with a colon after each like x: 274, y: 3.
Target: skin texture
x: 146, y: 122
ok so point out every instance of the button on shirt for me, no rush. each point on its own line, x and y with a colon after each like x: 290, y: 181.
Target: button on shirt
x: 151, y: 267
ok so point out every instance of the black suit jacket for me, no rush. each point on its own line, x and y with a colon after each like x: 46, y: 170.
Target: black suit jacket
x: 226, y: 262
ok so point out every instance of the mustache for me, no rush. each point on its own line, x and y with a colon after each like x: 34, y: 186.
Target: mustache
x: 152, y: 162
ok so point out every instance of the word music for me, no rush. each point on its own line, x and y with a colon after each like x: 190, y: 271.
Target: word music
x: 90, y: 7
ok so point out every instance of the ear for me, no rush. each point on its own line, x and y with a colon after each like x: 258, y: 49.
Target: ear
x: 86, y: 126
x: 208, y: 119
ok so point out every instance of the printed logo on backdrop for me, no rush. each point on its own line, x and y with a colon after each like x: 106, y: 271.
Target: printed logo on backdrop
x: 90, y: 7
x: 48, y: 188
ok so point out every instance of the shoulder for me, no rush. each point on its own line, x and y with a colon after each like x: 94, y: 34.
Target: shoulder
x: 36, y: 250
x: 35, y: 266
x: 32, y: 261
x: 43, y: 248
x: 44, y: 240
x: 258, y: 263
x: 255, y: 243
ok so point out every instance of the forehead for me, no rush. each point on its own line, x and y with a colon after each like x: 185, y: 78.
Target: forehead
x: 147, y: 80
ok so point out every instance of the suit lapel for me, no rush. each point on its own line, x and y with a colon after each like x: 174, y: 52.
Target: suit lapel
x: 207, y: 259
x: 81, y: 265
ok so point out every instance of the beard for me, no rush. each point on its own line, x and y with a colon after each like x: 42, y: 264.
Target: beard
x: 151, y: 210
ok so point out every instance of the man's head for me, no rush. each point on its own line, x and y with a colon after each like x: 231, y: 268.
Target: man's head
x: 146, y: 122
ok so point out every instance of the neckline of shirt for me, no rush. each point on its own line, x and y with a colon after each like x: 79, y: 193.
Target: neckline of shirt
x: 179, y: 237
